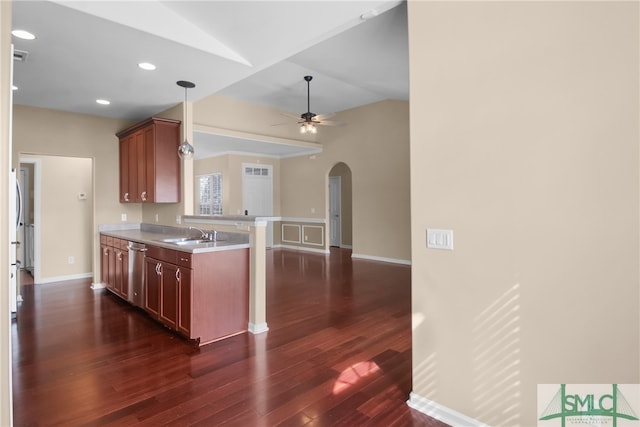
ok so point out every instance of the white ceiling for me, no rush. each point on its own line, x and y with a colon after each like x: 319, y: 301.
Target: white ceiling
x: 256, y: 51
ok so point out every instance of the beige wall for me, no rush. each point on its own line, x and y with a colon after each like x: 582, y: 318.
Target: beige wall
x: 230, y: 166
x: 374, y: 144
x: 525, y: 143
x: 51, y: 132
x: 62, y: 180
x: 5, y: 167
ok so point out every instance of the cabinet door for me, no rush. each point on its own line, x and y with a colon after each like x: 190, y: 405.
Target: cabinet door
x: 152, y: 281
x: 104, y: 264
x: 117, y: 282
x: 184, y: 302
x: 124, y: 170
x: 148, y: 138
x: 122, y: 273
x: 169, y: 295
x: 140, y: 169
x: 111, y: 272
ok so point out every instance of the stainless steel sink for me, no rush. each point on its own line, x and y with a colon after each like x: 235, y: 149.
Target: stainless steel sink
x: 174, y: 239
x: 184, y: 241
x: 191, y: 242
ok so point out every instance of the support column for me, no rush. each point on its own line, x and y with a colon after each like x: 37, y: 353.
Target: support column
x: 258, y: 278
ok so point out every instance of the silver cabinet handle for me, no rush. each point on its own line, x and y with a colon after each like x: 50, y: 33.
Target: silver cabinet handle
x: 143, y: 196
x: 178, y: 275
x: 158, y: 269
x: 126, y: 197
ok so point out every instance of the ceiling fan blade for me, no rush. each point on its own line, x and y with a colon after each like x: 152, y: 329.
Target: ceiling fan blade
x: 282, y: 124
x: 291, y: 115
x: 330, y: 123
x: 323, y: 117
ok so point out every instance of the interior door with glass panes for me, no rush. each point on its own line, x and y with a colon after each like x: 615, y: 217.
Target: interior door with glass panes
x: 257, y: 193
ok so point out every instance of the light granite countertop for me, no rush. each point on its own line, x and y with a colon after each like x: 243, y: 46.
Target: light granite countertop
x: 151, y: 234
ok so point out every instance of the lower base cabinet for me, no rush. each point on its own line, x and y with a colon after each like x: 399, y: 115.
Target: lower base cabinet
x: 115, y: 265
x: 203, y: 296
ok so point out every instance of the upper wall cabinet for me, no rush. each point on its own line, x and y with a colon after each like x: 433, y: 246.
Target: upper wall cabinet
x: 149, y: 162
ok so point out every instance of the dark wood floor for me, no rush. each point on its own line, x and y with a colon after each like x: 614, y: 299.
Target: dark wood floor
x: 338, y: 353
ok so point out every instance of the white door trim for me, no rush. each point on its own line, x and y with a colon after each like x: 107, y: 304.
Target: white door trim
x: 335, y: 211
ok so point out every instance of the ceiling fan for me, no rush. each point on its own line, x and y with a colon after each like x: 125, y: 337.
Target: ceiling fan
x: 309, y: 120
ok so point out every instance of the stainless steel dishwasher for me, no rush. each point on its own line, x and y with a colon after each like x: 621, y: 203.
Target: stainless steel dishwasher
x: 136, y: 273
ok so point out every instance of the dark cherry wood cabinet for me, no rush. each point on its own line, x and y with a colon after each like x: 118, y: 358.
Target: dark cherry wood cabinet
x: 171, y: 275
x: 203, y: 296
x: 149, y: 162
x: 104, y: 261
x: 153, y: 276
x: 114, y: 265
x: 121, y: 285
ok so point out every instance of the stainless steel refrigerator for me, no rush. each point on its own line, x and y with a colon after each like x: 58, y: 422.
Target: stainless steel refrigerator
x: 15, y: 220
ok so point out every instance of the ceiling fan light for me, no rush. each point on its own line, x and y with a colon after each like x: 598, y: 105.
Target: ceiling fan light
x: 308, y: 128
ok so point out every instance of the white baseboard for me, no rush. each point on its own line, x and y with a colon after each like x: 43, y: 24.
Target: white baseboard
x: 65, y: 278
x: 258, y: 329
x: 441, y: 413
x: 95, y: 286
x: 383, y: 259
x: 302, y: 248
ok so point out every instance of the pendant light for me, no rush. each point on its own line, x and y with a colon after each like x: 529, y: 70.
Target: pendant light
x: 185, y: 150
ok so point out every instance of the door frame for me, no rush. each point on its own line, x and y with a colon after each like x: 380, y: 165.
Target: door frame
x: 335, y: 211
x: 269, y: 230
x: 37, y: 170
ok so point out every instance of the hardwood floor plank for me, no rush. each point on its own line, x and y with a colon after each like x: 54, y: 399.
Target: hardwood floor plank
x: 337, y: 353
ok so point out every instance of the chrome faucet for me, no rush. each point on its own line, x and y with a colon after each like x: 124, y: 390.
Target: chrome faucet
x: 210, y: 235
x: 204, y: 235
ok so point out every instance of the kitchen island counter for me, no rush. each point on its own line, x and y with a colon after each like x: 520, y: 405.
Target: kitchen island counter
x: 150, y: 234
x: 200, y: 291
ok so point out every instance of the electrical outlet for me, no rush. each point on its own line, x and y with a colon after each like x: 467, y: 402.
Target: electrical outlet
x: 71, y: 259
x: 157, y: 218
x: 123, y: 217
x: 178, y: 219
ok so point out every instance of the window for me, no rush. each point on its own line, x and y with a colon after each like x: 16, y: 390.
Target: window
x: 210, y: 194
x: 255, y: 171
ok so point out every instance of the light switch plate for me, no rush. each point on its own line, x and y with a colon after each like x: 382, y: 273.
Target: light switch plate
x: 439, y: 239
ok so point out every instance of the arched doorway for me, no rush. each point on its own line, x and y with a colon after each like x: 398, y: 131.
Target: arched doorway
x: 340, y: 206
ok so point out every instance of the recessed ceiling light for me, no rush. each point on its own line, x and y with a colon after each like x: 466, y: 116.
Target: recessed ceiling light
x: 23, y: 34
x: 147, y: 66
x: 103, y: 102
x: 14, y: 87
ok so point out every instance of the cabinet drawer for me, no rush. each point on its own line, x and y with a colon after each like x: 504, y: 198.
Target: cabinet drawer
x: 161, y: 254
x: 183, y: 259
x: 124, y: 245
x: 103, y: 239
x: 109, y: 241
